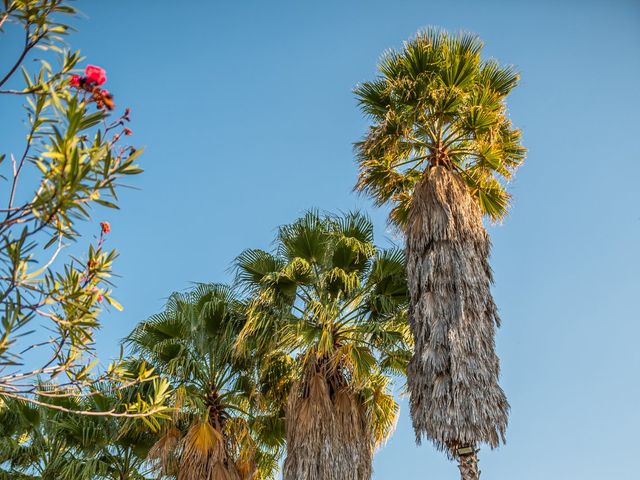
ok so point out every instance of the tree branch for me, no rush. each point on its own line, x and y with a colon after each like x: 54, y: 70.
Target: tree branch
x: 108, y: 413
x: 27, y: 48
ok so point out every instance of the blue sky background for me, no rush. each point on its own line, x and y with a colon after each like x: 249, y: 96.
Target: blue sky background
x: 247, y: 115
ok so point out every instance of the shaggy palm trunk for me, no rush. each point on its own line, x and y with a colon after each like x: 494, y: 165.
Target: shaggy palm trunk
x: 327, y: 437
x: 456, y: 401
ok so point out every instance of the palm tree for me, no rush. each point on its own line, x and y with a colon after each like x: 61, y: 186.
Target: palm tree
x: 224, y: 427
x: 327, y: 297
x: 439, y: 150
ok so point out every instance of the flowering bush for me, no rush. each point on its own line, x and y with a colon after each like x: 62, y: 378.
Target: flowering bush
x: 76, y: 159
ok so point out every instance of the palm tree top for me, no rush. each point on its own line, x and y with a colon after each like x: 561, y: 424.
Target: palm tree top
x: 326, y: 295
x: 221, y: 409
x: 436, y: 102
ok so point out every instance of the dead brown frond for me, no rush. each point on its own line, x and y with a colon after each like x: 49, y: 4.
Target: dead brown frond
x: 327, y: 434
x: 203, y: 447
x: 164, y: 453
x: 453, y: 375
x: 203, y: 453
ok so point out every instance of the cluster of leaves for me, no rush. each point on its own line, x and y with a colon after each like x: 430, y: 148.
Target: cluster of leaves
x: 436, y: 102
x: 50, y: 440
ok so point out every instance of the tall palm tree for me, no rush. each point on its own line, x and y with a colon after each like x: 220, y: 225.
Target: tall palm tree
x: 327, y: 297
x: 224, y: 426
x: 440, y: 150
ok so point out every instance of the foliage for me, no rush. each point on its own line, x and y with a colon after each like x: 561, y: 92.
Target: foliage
x: 327, y: 296
x: 436, y: 102
x: 40, y: 442
x: 73, y: 160
x: 226, y: 420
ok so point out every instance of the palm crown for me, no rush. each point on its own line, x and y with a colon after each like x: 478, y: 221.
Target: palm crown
x: 436, y: 102
x: 223, y: 424
x: 326, y: 295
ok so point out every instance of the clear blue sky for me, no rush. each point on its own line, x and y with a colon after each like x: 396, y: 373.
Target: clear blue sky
x: 247, y: 116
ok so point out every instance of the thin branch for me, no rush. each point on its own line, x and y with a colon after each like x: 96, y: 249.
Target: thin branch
x: 16, y: 171
x: 30, y: 91
x: 27, y: 48
x: 108, y: 413
x: 8, y: 379
x: 54, y: 393
x: 37, y: 345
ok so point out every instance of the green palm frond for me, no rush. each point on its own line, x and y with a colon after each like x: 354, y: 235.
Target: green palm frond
x: 306, y: 238
x: 381, y: 407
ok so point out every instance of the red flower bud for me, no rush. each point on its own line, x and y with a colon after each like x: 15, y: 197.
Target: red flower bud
x: 127, y: 131
x: 95, y: 74
x: 74, y: 81
x: 100, y: 296
x: 106, y: 227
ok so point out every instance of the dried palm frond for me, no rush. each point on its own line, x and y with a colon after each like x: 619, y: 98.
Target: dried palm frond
x: 163, y: 454
x: 327, y: 437
x: 453, y: 376
x: 204, y: 455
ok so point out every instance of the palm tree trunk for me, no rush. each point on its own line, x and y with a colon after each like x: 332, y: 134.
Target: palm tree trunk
x: 468, y: 464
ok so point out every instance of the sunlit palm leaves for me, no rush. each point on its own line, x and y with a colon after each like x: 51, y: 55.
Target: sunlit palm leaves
x: 436, y: 102
x: 218, y: 430
x: 328, y: 297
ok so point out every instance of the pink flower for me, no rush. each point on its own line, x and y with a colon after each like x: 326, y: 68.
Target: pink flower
x: 127, y: 131
x: 106, y: 227
x: 95, y: 75
x: 100, y: 296
x: 74, y: 81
